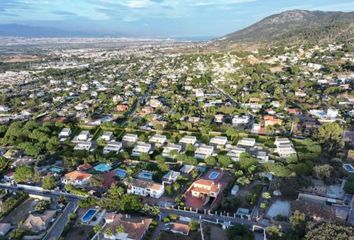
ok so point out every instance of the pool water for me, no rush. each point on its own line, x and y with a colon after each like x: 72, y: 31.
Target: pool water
x: 213, y: 175
x: 88, y: 215
x: 145, y: 175
x: 102, y: 167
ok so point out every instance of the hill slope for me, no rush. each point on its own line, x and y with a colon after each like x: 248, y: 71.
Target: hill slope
x: 298, y: 25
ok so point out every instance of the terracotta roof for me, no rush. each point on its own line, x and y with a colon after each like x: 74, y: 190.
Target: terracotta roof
x: 84, y: 167
x: 135, y: 227
x: 180, y: 227
x: 77, y: 175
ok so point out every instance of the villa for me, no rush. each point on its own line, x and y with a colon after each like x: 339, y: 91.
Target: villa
x: 112, y: 146
x: 204, y: 151
x: 169, y: 148
x: 83, y: 136
x: 83, y: 146
x: 140, y: 148
x: 145, y: 188
x: 188, y: 140
x: 77, y: 178
x: 130, y: 138
x: 65, y: 133
x: 158, y: 139
x: 218, y: 141
x: 235, y: 153
x: 285, y: 147
x: 106, y: 136
x: 247, y: 142
x: 170, y: 177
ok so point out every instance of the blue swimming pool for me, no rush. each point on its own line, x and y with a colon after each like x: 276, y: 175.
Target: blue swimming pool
x: 103, y: 167
x: 213, y: 175
x: 88, y: 215
x: 121, y: 173
x: 145, y: 175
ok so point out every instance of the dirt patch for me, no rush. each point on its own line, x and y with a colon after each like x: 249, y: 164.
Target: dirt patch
x: 214, y: 231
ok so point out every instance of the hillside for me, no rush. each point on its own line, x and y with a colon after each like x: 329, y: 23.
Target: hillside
x: 296, y: 26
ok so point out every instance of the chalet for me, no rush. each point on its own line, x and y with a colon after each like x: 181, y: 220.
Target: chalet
x: 140, y: 148
x: 65, y: 133
x: 130, y: 139
x: 83, y: 146
x: 285, y: 147
x: 235, y: 153
x: 218, y: 141
x: 39, y: 222
x: 158, y: 139
x: 112, y: 146
x: 122, y: 107
x: 247, y: 142
x: 188, y: 140
x: 106, y: 136
x: 240, y: 120
x: 170, y: 177
x: 83, y: 136
x: 132, y: 228
x: 77, y: 178
x: 204, y: 151
x: 169, y: 148
x: 145, y: 188
x: 271, y: 121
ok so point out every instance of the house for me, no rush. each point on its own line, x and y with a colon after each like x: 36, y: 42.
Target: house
x: 240, y: 120
x: 146, y: 110
x: 83, y: 136
x: 158, y: 139
x: 170, y: 177
x: 204, y: 151
x: 187, y: 169
x: 140, y: 148
x: 4, y: 228
x: 169, y: 148
x: 180, y: 228
x: 188, y: 140
x: 145, y: 188
x: 235, y: 153
x: 247, y: 142
x: 65, y: 133
x: 132, y: 228
x: 272, y: 121
x: 112, y: 146
x: 39, y: 222
x: 106, y: 136
x: 130, y: 138
x: 83, y: 146
x: 77, y: 178
x: 218, y: 141
x: 285, y: 148
x: 219, y: 118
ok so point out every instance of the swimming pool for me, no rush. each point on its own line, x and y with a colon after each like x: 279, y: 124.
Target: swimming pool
x: 88, y: 215
x: 145, y: 175
x: 213, y: 175
x: 103, y: 167
x: 120, y: 173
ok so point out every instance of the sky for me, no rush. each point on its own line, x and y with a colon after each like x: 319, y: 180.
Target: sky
x: 154, y: 18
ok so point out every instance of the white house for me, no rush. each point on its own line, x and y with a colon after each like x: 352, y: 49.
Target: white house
x: 77, y: 178
x: 285, y: 147
x: 65, y: 133
x: 145, y: 188
x: 169, y: 148
x: 83, y: 136
x: 235, y: 153
x: 218, y: 140
x: 188, y: 140
x: 130, y: 138
x: 170, y: 177
x: 240, y: 120
x: 112, y: 146
x: 158, y: 139
x: 204, y: 151
x: 140, y: 148
x: 87, y: 146
x: 247, y: 142
x: 107, y: 136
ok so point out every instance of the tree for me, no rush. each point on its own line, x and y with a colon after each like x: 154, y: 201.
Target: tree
x: 324, y: 231
x: 211, y: 161
x: 144, y: 157
x: 48, y: 182
x: 23, y: 174
x: 120, y: 229
x: 108, y: 231
x: 298, y: 223
x: 193, y: 225
x: 323, y: 172
x: 97, y: 228
x: 224, y: 161
x: 349, y: 185
x: 3, y: 163
x: 330, y: 135
x: 239, y: 232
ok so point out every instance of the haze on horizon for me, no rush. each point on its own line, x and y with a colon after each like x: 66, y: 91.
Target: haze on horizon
x: 153, y: 18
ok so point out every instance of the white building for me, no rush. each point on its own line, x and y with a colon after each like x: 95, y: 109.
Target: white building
x: 204, y: 151
x: 158, y: 139
x: 170, y: 177
x: 240, y: 120
x: 247, y: 142
x: 140, y: 148
x: 169, y: 148
x: 65, y: 133
x: 87, y: 146
x: 235, y: 153
x: 145, y: 188
x: 112, y: 146
x: 107, y: 136
x: 188, y: 140
x: 218, y: 140
x: 83, y: 136
x: 285, y: 147
x: 130, y: 138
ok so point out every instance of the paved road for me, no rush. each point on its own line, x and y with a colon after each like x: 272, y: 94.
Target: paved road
x: 57, y: 228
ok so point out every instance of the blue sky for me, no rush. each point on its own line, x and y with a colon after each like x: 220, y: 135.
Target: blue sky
x: 154, y: 18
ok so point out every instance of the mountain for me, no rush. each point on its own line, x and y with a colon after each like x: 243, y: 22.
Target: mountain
x: 297, y: 25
